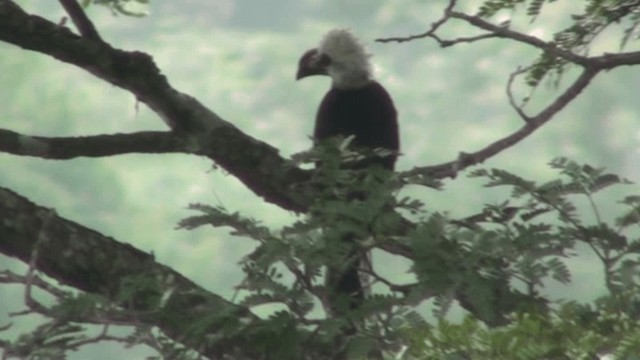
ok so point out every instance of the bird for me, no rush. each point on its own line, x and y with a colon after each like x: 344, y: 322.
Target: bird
x: 355, y: 106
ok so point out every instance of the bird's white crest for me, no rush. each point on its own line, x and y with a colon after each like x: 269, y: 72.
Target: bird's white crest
x: 350, y: 65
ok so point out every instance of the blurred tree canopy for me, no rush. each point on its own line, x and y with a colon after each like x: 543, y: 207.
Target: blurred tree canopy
x: 487, y: 285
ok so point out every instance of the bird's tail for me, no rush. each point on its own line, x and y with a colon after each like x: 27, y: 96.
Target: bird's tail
x: 350, y: 283
x: 346, y: 291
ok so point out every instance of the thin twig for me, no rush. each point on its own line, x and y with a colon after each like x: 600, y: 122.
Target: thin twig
x: 43, y: 236
x: 429, y: 33
x: 507, y: 33
x: 10, y: 277
x: 470, y: 39
x: 512, y: 101
x: 103, y: 336
x: 393, y: 287
x: 450, y: 169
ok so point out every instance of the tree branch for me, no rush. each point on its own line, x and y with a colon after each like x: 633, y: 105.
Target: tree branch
x: 451, y: 168
x: 606, y: 61
x: 91, y: 146
x: 431, y: 32
x: 257, y: 164
x: 493, y: 31
x: 512, y: 101
x: 80, y: 19
x: 506, y: 33
x: 94, y: 263
x: 591, y: 65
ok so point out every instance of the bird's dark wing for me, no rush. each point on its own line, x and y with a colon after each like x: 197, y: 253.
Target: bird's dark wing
x: 367, y: 113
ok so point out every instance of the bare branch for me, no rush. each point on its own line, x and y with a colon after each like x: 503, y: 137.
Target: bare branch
x: 430, y: 32
x: 132, y: 71
x: 505, y: 32
x: 494, y: 31
x: 610, y: 61
x: 592, y: 66
x: 450, y: 169
x: 92, y: 146
x: 470, y: 39
x: 80, y: 19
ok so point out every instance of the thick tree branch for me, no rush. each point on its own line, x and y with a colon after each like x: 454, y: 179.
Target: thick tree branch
x: 133, y: 71
x: 610, y: 61
x: 255, y: 163
x: 91, y: 146
x: 156, y: 142
x: 92, y: 262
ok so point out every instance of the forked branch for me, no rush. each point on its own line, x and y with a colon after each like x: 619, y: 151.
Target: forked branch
x: 591, y: 66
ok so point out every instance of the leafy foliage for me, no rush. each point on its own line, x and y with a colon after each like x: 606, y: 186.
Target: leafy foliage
x: 492, y: 7
x: 72, y: 326
x: 495, y: 264
x: 586, y: 26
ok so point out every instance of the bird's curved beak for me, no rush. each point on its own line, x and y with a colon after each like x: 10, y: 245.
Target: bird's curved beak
x: 312, y: 63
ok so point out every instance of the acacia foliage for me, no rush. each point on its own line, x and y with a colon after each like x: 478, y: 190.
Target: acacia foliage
x: 497, y: 264
x: 585, y: 27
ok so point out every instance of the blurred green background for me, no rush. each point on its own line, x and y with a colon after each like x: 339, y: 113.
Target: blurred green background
x: 239, y: 58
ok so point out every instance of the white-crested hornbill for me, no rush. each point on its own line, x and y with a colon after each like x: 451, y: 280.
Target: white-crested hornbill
x: 358, y: 106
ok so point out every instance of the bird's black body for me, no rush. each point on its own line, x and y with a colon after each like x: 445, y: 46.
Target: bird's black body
x: 368, y: 114
x: 358, y: 106
x: 365, y: 112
